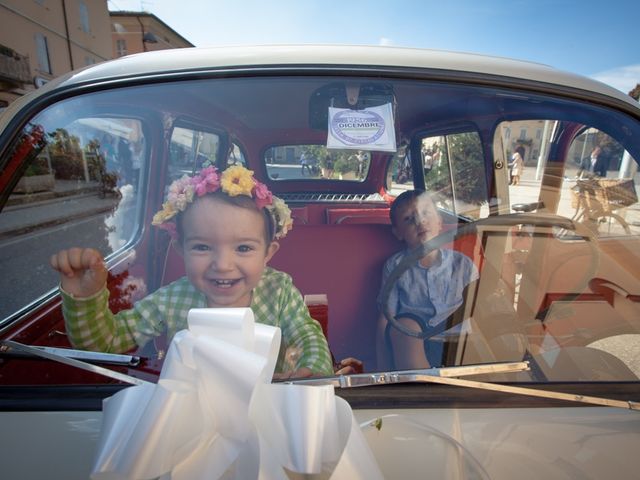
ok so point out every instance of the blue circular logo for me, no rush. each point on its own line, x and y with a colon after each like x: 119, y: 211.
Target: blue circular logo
x: 360, y: 127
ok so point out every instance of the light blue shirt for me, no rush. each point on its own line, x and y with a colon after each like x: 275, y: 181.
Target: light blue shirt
x: 430, y: 293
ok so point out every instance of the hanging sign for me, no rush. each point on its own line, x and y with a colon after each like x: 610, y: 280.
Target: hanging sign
x: 369, y: 129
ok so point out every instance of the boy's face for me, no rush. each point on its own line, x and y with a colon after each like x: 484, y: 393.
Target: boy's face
x: 224, y: 250
x: 417, y: 221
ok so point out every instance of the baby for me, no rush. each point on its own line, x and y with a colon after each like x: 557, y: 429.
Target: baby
x: 226, y: 228
x: 427, y: 293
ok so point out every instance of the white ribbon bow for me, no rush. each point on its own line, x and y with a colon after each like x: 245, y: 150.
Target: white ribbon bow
x: 215, y: 414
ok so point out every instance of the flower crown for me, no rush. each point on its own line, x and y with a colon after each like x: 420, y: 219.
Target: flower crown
x: 234, y: 181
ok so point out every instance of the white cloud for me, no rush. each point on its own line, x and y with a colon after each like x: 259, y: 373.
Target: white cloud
x: 622, y: 78
x: 385, y: 41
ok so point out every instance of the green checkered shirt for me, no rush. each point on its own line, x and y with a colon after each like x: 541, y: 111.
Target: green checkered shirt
x: 275, y: 301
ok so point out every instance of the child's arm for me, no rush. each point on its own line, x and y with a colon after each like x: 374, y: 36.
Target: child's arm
x: 90, y: 324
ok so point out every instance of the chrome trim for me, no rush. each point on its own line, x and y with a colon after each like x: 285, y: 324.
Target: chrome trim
x: 331, y: 197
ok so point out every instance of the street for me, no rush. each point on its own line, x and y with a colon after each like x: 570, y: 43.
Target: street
x: 30, y: 233
x: 279, y: 171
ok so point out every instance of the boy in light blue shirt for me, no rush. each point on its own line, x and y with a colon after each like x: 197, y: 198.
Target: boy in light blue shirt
x: 427, y: 293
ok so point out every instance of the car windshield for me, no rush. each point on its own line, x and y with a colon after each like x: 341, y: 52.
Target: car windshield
x: 524, y: 247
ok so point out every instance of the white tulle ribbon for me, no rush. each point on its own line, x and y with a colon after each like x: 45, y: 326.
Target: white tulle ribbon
x: 214, y: 414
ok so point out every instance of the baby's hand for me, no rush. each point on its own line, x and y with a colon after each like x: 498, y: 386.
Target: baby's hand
x: 348, y: 366
x: 82, y: 271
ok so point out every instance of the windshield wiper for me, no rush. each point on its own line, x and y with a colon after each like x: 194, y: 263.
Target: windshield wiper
x: 447, y: 376
x: 7, y: 347
x: 66, y: 356
x: 412, y: 376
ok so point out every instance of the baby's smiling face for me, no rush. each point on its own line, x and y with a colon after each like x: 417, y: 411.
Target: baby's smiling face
x: 225, y: 250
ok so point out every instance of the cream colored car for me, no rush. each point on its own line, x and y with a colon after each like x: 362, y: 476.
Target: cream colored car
x: 532, y: 372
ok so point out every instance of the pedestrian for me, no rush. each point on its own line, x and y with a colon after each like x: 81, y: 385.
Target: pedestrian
x: 304, y: 162
x: 328, y: 172
x: 517, y: 166
x: 593, y: 165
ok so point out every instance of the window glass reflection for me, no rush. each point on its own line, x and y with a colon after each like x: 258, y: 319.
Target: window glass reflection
x: 82, y: 182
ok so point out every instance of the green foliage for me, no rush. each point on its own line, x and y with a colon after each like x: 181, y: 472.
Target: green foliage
x: 38, y: 166
x: 66, y: 155
x: 317, y: 152
x: 611, y: 149
x: 63, y: 143
x: 467, y: 161
x: 344, y: 161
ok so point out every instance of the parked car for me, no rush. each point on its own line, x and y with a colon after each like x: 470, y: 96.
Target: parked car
x: 86, y: 161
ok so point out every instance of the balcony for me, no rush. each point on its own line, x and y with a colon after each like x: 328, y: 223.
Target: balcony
x: 14, y: 68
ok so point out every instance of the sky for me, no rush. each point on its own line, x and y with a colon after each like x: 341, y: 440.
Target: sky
x: 594, y: 38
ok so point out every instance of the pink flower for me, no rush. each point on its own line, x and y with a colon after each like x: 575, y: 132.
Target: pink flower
x: 178, y: 189
x: 207, y: 181
x: 263, y: 196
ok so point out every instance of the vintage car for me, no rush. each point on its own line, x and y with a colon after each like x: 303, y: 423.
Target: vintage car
x: 540, y: 364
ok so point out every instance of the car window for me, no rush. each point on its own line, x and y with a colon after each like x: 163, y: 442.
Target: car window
x: 454, y: 165
x: 451, y: 165
x: 83, y: 180
x: 545, y: 265
x: 605, y: 193
x: 564, y: 277
x: 236, y: 156
x: 296, y: 162
x: 191, y: 149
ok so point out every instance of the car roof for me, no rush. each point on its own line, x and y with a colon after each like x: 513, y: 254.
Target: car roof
x: 282, y: 57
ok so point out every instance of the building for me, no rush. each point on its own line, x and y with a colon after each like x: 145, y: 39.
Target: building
x: 529, y: 134
x: 135, y: 32
x: 42, y: 39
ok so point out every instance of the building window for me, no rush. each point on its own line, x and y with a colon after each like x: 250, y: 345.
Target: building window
x: 121, y: 47
x: 523, y: 134
x: 507, y: 133
x: 43, y: 53
x: 89, y: 60
x: 538, y: 134
x: 84, y: 17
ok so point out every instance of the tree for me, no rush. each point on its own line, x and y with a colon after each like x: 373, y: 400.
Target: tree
x: 612, y: 151
x: 635, y: 93
x: 344, y: 160
x: 467, y: 162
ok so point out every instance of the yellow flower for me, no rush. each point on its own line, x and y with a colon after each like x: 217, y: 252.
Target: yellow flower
x: 236, y: 181
x: 168, y: 211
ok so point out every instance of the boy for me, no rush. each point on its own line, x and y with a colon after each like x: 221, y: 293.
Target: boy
x: 427, y: 293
